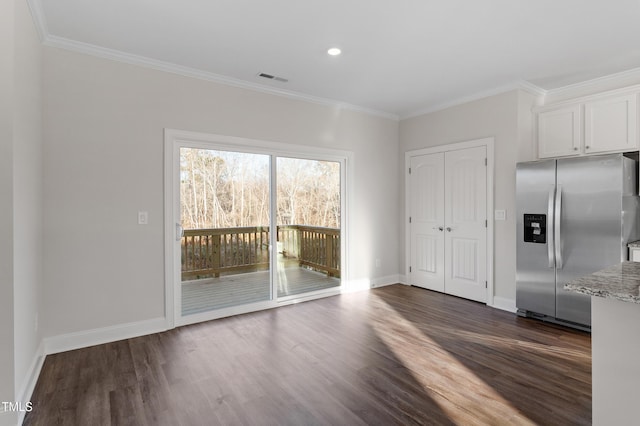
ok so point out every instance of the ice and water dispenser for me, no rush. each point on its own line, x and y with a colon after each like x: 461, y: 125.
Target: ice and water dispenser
x: 535, y: 228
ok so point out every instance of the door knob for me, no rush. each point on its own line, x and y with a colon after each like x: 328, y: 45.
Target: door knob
x: 439, y: 228
x: 449, y: 229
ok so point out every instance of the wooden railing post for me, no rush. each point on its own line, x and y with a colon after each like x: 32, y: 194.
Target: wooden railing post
x: 216, y: 255
x: 329, y: 253
x: 300, y: 248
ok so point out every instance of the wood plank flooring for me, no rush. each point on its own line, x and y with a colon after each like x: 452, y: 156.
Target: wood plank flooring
x: 394, y: 355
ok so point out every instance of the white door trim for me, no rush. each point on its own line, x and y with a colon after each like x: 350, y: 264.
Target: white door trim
x: 173, y: 140
x: 489, y: 144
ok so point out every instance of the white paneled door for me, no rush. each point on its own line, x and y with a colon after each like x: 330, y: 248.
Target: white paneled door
x: 427, y: 221
x: 465, y: 208
x: 448, y: 222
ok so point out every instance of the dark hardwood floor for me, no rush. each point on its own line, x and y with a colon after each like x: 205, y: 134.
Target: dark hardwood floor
x: 394, y: 355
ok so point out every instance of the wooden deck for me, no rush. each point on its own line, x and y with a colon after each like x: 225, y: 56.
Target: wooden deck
x: 232, y: 290
x: 222, y: 251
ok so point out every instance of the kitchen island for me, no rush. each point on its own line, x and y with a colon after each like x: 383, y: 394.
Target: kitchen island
x: 615, y: 341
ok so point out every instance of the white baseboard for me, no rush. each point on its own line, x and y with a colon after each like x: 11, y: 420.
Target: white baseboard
x: 30, y: 380
x: 384, y: 281
x: 504, y: 304
x: 97, y: 336
x: 368, y: 283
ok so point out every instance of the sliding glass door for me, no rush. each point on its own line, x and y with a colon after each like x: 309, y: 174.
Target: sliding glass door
x: 255, y: 226
x: 308, y: 215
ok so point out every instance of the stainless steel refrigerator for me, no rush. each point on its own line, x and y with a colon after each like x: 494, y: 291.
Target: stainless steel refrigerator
x: 575, y: 216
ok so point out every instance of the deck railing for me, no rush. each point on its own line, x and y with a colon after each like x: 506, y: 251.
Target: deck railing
x: 211, y: 252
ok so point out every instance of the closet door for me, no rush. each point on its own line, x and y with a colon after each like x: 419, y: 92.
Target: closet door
x: 465, y: 212
x: 426, y: 181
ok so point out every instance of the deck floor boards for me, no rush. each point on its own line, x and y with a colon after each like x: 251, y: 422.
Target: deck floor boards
x: 392, y: 355
x: 232, y: 290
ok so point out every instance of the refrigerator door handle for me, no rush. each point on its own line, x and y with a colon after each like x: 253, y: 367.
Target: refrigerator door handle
x: 550, y: 243
x: 557, y: 233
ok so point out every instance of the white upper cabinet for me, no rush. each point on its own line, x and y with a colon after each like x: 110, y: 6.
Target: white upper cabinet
x: 611, y: 124
x: 591, y: 125
x: 559, y: 132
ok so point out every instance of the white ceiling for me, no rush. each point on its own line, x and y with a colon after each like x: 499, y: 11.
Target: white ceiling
x: 399, y: 57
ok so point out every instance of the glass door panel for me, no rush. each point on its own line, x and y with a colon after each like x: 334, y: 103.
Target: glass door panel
x: 308, y: 218
x: 224, y: 212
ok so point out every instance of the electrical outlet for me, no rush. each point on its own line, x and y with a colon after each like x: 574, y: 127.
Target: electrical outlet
x: 500, y: 215
x: 143, y: 218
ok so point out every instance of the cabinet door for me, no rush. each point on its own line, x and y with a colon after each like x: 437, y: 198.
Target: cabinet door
x: 611, y: 124
x: 559, y: 132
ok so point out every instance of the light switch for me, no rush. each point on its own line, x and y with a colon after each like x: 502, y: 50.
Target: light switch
x: 143, y: 218
x: 500, y: 215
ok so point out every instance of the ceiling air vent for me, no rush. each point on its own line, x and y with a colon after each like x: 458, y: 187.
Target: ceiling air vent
x: 272, y: 77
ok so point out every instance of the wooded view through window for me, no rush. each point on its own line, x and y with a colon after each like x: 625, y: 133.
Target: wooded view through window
x: 222, y: 189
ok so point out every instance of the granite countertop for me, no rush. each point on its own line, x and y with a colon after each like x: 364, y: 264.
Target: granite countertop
x: 620, y: 282
x: 634, y: 244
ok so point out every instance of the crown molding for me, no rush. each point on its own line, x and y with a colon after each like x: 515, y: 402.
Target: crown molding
x: 37, y: 13
x: 595, y: 84
x: 520, y: 85
x: 532, y: 88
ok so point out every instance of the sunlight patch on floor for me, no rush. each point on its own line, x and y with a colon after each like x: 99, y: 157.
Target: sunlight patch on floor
x: 444, y: 377
x: 497, y: 341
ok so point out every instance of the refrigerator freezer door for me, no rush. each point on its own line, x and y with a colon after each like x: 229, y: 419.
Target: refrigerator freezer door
x: 535, y: 194
x: 590, y: 226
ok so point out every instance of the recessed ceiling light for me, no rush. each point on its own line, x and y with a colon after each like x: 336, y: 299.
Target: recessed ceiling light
x: 334, y: 51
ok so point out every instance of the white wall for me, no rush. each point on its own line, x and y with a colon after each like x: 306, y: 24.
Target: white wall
x: 27, y: 193
x: 21, y: 200
x: 6, y: 204
x: 103, y: 160
x: 507, y: 118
